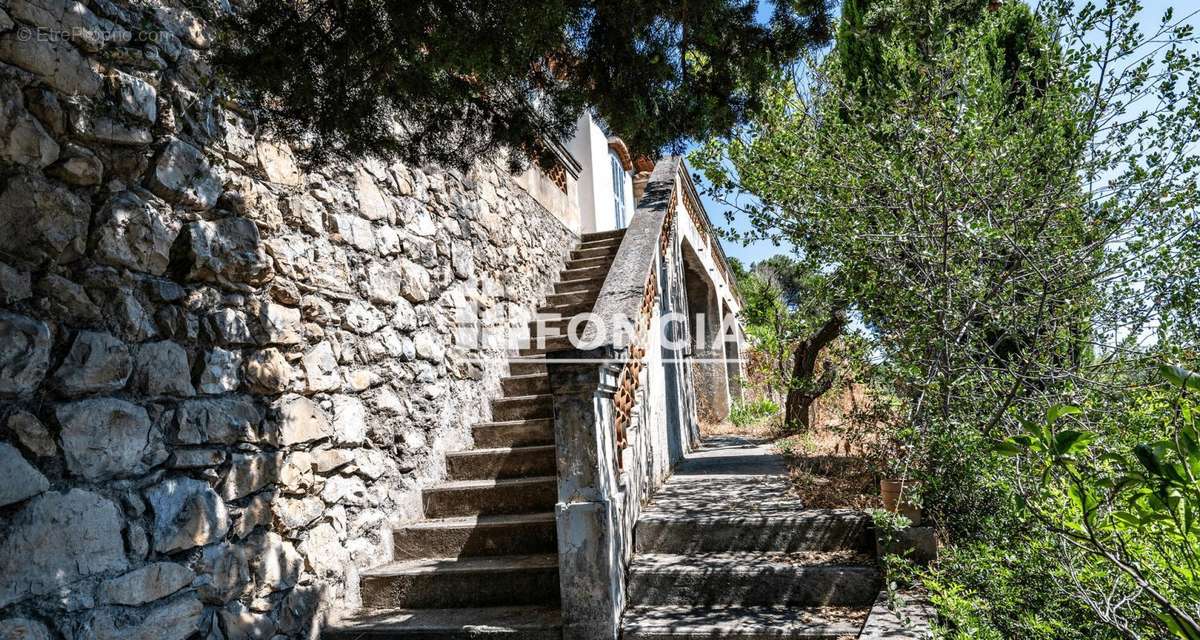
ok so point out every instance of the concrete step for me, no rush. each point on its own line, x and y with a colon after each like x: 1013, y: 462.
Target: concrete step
x: 522, y: 407
x: 524, y: 623
x: 527, y: 385
x: 604, y: 251
x: 603, y: 235
x: 476, y: 536
x: 603, y: 262
x: 751, y: 579
x: 669, y: 531
x: 580, y: 284
x: 742, y: 623
x: 567, y: 310
x: 487, y: 464
x: 520, y: 366
x: 496, y: 581
x: 547, y: 345
x: 514, y: 433
x: 573, y: 299
x: 599, y: 270
x: 490, y: 497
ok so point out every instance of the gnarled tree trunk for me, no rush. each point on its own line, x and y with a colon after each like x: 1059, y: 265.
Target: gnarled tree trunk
x: 802, y: 389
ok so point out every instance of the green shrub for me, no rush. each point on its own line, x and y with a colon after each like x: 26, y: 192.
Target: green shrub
x: 745, y: 414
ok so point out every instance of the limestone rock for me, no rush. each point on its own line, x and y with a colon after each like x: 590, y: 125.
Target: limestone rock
x: 129, y: 317
x: 278, y: 324
x: 152, y: 582
x: 77, y: 166
x: 23, y: 629
x: 133, y: 233
x: 223, y: 573
x: 61, y: 297
x: 187, y: 514
x: 21, y: 480
x: 325, y: 552
x: 41, y: 221
x: 362, y: 318
x: 228, y: 326
x: 321, y: 369
x: 249, y: 473
x: 221, y: 370
x: 297, y: 474
x: 44, y: 551
x: 197, y: 458
x: 91, y: 32
x: 226, y: 251
x: 349, y: 420
x: 24, y: 354
x: 183, y: 176
x: 256, y: 513
x: 56, y: 62
x: 105, y: 438
x: 136, y: 97
x: 352, y: 230
x: 183, y: 23
x: 91, y: 126
x: 22, y: 139
x: 239, y: 623
x: 293, y: 514
x: 96, y: 363
x: 344, y: 490
x: 226, y: 420
x: 14, y: 284
x: 371, y: 203
x: 268, y: 372
x: 175, y: 620
x: 274, y: 562
x: 301, y: 420
x: 415, y: 284
x: 161, y: 369
x: 278, y: 163
x: 31, y: 433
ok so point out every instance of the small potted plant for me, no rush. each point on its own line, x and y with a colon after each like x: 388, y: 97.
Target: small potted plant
x: 899, y: 491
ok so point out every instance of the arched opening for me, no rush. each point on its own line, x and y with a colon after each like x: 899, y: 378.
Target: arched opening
x: 709, y: 374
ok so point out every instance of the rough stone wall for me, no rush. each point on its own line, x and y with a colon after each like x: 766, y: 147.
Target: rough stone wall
x: 221, y: 376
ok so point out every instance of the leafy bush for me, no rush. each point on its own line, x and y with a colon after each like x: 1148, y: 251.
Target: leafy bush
x: 745, y: 414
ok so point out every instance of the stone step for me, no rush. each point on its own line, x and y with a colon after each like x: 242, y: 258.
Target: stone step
x: 523, y: 623
x: 599, y: 244
x: 742, y: 623
x: 750, y: 579
x: 490, y: 497
x: 495, y: 581
x: 526, y: 385
x: 604, y: 262
x: 548, y: 345
x: 476, y: 536
x: 670, y: 531
x: 568, y: 310
x: 522, y: 407
x: 573, y: 299
x: 581, y: 284
x: 519, y: 366
x: 599, y: 270
x: 607, y: 251
x: 513, y: 433
x: 603, y: 235
x: 486, y: 464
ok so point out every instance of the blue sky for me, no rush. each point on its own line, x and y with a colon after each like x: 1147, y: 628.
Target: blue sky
x: 1152, y: 12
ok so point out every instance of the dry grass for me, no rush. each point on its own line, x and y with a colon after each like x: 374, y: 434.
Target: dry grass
x: 825, y: 474
x: 767, y: 429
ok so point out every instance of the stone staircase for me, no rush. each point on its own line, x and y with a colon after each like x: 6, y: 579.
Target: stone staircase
x: 723, y: 552
x: 484, y: 561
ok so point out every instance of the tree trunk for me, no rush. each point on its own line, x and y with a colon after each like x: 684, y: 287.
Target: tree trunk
x: 802, y: 390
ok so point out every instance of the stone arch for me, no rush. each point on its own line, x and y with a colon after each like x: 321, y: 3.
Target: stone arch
x: 709, y: 374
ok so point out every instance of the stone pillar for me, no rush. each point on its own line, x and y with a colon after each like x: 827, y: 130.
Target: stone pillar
x: 591, y: 570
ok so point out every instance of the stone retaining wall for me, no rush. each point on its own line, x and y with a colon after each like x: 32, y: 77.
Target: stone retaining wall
x: 221, y: 376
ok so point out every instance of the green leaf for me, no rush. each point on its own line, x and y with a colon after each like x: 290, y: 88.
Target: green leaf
x: 1145, y: 455
x: 1072, y: 441
x: 1008, y: 448
x: 1180, y: 377
x: 1060, y: 410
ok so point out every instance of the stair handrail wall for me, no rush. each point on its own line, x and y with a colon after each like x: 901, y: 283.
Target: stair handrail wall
x: 602, y: 409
